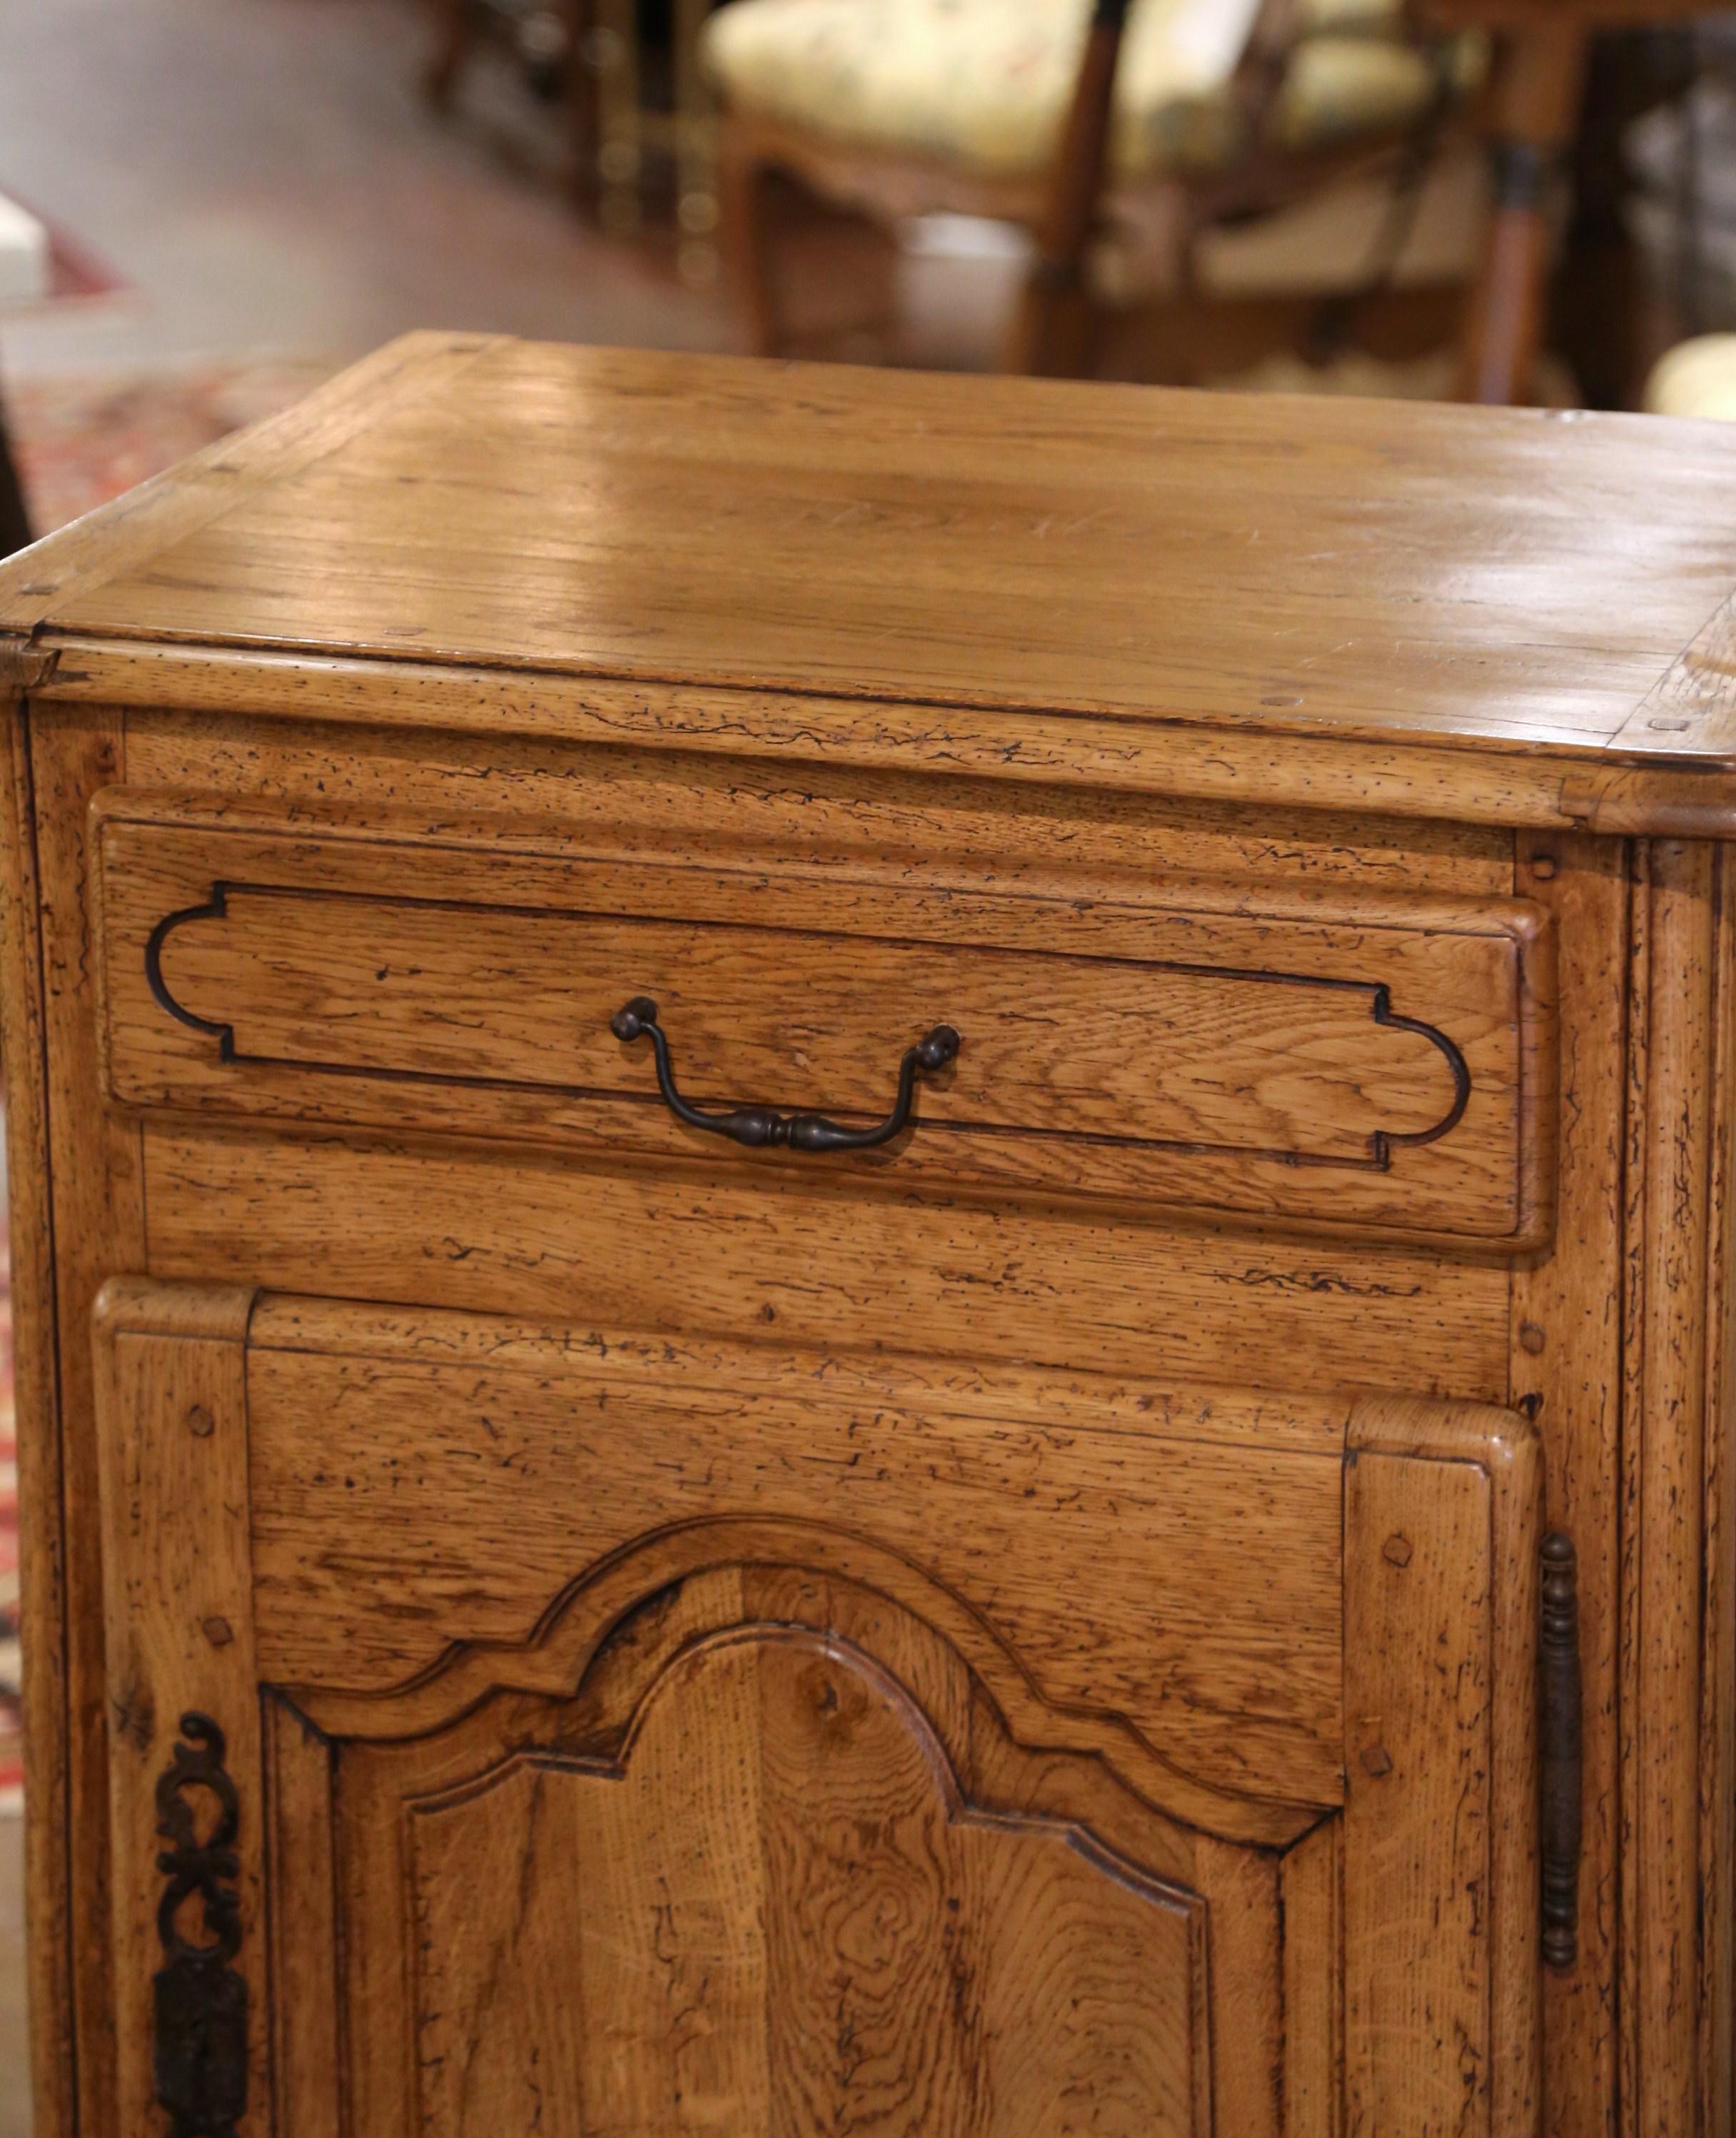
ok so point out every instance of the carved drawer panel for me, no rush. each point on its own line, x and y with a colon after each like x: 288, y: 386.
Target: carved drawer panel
x: 623, y: 1736
x: 1232, y: 1046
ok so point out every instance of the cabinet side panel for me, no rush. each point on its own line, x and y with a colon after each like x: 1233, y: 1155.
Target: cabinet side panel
x: 48, y: 1905
x: 98, y: 1229
x: 1718, y: 1755
x: 1663, y: 1457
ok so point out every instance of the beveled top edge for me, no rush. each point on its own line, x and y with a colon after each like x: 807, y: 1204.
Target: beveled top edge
x: 38, y: 583
x: 1454, y: 650
x: 1537, y: 790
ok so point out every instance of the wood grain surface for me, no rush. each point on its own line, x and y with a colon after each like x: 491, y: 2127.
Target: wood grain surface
x: 209, y: 759
x: 800, y: 1258
x: 171, y: 1415
x: 844, y: 1945
x: 1669, y: 1241
x: 1438, y: 783
x: 36, y: 1396
x: 96, y: 1232
x: 401, y: 1528
x: 768, y: 1895
x: 1349, y: 569
x: 1032, y: 1618
x: 1435, y: 1751
x: 1567, y: 1340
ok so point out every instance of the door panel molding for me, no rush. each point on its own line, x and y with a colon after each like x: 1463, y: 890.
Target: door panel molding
x: 400, y: 1855
x: 636, y: 1583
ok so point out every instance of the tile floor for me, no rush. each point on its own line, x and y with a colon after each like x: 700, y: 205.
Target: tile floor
x: 14, y: 2092
x: 265, y: 177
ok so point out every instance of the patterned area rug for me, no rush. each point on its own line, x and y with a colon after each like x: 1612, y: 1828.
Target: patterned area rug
x: 85, y: 438
x: 79, y: 441
x: 12, y: 1765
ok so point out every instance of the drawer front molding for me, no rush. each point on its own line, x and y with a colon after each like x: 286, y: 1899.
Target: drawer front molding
x: 628, y: 1023
x: 1392, y: 1067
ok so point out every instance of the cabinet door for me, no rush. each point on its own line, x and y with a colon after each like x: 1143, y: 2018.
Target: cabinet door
x: 517, y: 1731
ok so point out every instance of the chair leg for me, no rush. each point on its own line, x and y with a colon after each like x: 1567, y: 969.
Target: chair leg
x: 1054, y: 329
x: 745, y: 237
x: 1601, y: 318
x: 584, y: 120
x: 1535, y: 100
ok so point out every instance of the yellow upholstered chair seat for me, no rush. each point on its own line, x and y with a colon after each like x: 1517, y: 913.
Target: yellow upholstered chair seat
x: 1697, y: 377
x: 984, y: 84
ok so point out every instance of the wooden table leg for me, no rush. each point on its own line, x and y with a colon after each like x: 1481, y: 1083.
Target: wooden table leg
x: 1604, y: 321
x: 1533, y: 106
x: 746, y: 189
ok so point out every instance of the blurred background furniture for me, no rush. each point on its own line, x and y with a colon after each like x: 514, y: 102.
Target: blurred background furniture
x: 638, y: 109
x: 1170, y: 120
x: 1541, y: 126
x: 1332, y: 141
x: 646, y: 109
x: 1418, y: 196
x: 553, y: 44
x: 1696, y: 378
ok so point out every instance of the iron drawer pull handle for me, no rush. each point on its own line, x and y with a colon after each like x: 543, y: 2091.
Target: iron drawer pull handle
x: 757, y: 1126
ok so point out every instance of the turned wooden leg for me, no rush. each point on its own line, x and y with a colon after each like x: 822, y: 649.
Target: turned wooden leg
x: 1600, y: 317
x: 1534, y: 103
x: 1054, y: 329
x: 746, y: 237
x: 584, y: 129
x: 1055, y: 332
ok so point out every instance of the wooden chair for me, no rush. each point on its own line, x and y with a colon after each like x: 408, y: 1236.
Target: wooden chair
x: 1254, y: 159
x: 1533, y: 109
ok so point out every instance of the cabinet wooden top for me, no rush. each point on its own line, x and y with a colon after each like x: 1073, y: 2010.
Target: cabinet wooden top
x: 1506, y: 584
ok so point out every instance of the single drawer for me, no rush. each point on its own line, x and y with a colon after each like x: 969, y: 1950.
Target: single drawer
x: 1229, y: 1046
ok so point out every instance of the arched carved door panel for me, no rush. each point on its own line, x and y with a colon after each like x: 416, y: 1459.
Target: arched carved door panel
x: 776, y: 1864
x: 775, y: 1910
x: 784, y: 1814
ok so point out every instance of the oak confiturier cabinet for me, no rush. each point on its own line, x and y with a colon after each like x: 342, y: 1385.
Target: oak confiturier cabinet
x: 873, y: 1247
